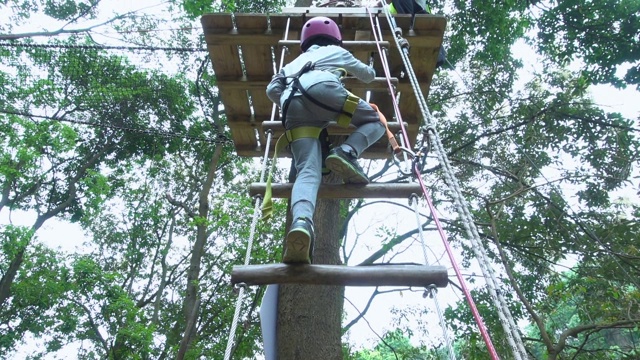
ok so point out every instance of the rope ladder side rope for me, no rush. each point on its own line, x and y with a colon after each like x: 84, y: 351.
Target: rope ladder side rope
x: 432, y: 291
x: 247, y: 259
x: 257, y: 213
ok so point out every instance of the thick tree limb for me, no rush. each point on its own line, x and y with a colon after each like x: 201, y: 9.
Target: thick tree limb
x: 193, y: 274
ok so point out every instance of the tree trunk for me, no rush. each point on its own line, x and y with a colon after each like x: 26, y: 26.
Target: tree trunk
x: 309, y: 317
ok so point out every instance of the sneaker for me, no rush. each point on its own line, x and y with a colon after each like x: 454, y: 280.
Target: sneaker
x: 345, y: 164
x: 299, y: 242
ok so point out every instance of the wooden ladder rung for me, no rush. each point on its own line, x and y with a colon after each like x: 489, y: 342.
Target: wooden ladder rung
x: 351, y: 45
x: 372, y: 275
x: 344, y: 191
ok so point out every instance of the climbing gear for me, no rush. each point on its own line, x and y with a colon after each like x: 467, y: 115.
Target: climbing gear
x: 344, y: 119
x: 345, y: 164
x: 283, y: 141
x: 299, y: 242
x: 319, y: 26
x: 392, y: 9
x: 409, y: 7
x: 392, y: 139
x: 348, y: 108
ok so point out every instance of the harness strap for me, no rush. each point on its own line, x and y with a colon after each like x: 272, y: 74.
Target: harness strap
x: 294, y: 87
x: 285, y: 139
x: 348, y: 109
x: 323, y: 105
x: 392, y: 139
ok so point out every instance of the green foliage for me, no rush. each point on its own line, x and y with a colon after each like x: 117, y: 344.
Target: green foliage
x: 38, y: 292
x: 197, y: 8
x: 570, y: 303
x: 62, y: 10
x: 393, y: 345
x: 68, y: 9
x: 603, y: 34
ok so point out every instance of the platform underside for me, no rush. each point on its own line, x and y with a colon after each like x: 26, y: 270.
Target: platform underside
x: 245, y: 51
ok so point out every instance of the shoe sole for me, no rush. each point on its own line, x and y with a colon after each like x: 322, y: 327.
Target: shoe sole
x: 349, y: 174
x: 298, y: 246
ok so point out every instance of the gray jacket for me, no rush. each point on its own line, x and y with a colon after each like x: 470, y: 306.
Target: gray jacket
x: 327, y: 60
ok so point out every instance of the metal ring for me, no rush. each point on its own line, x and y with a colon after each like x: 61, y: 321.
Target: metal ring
x: 238, y: 286
x: 430, y: 291
x: 397, y: 161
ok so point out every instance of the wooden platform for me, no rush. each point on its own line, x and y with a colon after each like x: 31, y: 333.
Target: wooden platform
x: 373, y: 275
x: 246, y: 48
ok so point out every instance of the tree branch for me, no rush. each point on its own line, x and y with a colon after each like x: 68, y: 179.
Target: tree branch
x: 62, y: 30
x: 573, y: 332
x: 94, y: 326
x: 192, y: 214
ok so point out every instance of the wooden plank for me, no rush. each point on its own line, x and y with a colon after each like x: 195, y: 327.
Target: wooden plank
x: 258, y: 57
x: 225, y: 58
x: 423, y: 62
x: 241, y: 38
x: 351, y: 24
x: 259, y: 67
x: 215, y: 23
x: 363, y: 55
x: 373, y: 275
x: 226, y: 65
x: 279, y: 21
x: 426, y: 38
x: 379, y: 150
x: 345, y: 191
x: 244, y: 134
x: 409, y: 103
x: 286, y: 28
x: 329, y: 11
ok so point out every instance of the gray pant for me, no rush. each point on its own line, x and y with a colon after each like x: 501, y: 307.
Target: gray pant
x: 307, y: 154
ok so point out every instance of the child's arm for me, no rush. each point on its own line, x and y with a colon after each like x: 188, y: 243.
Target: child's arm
x: 276, y: 87
x: 357, y: 68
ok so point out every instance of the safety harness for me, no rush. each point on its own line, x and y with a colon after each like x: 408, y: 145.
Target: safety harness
x: 344, y: 120
x: 346, y: 113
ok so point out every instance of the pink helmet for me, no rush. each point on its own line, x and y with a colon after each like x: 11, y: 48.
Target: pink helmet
x: 317, y: 27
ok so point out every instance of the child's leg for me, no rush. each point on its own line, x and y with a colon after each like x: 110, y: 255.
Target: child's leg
x: 369, y: 128
x: 299, y: 240
x: 308, y: 162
